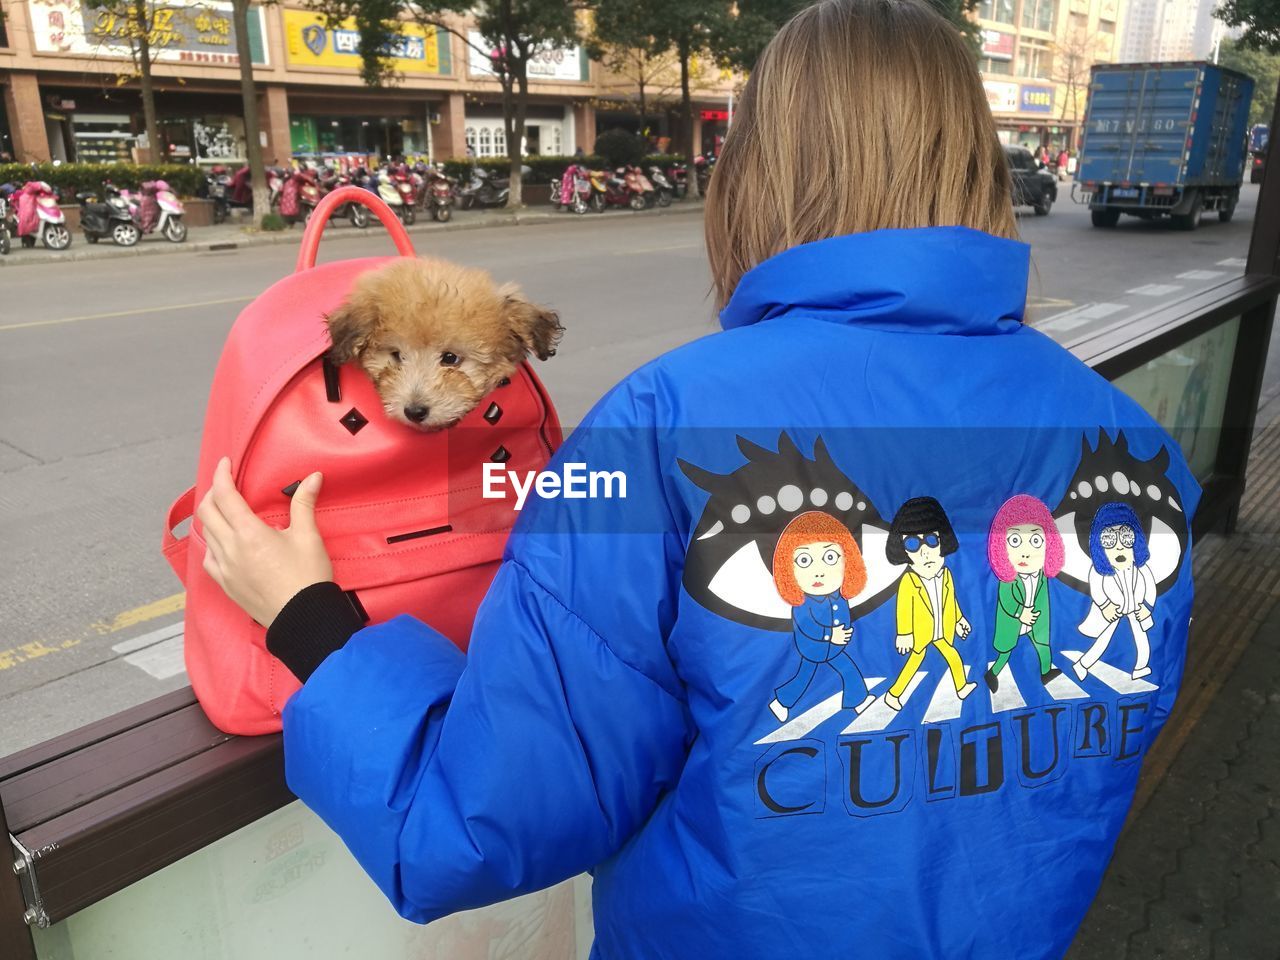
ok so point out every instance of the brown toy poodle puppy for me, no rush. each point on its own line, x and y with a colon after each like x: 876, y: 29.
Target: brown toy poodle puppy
x: 436, y: 337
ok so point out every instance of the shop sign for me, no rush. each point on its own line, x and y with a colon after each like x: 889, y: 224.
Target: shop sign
x: 1002, y: 97
x: 1036, y: 100
x: 715, y: 115
x: 310, y: 43
x: 546, y: 62
x: 182, y: 32
x: 997, y: 44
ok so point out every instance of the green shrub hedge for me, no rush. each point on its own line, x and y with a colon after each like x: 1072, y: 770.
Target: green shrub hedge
x: 546, y: 169
x: 70, y: 178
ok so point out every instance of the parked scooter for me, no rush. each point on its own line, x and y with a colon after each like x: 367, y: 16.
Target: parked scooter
x: 703, y: 167
x: 390, y: 194
x: 573, y: 190
x: 7, y: 226
x: 409, y: 184
x: 437, y: 193
x: 663, y: 187
x: 610, y: 190
x: 107, y: 219
x: 678, y: 175
x: 330, y: 179
x: 484, y: 189
x: 217, y: 187
x: 160, y: 209
x: 39, y: 216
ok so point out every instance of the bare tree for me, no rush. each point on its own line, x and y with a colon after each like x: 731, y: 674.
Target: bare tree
x: 1073, y: 56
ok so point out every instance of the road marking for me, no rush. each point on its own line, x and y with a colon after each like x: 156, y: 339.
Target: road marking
x: 124, y: 313
x: 148, y: 611
x: 811, y: 719
x: 1079, y: 316
x: 1233, y: 262
x: 133, y: 644
x: 162, y: 660
x: 36, y: 649
x: 1049, y: 302
x: 1201, y: 274
x: 1155, y: 289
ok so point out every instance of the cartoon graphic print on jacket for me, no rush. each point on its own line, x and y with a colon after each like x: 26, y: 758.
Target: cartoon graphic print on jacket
x: 1121, y: 586
x: 928, y: 612
x: 1025, y: 550
x: 817, y: 567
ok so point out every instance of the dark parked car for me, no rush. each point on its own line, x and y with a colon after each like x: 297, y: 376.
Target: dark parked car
x: 1033, y: 186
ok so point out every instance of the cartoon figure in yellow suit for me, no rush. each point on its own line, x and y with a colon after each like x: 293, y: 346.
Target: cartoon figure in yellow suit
x: 928, y: 612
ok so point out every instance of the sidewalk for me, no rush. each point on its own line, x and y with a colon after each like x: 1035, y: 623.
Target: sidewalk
x: 1197, y: 871
x: 237, y: 235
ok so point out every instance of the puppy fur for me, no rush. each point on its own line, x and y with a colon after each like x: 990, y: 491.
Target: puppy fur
x: 436, y: 337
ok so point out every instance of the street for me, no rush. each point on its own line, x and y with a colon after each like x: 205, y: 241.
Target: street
x: 105, y: 367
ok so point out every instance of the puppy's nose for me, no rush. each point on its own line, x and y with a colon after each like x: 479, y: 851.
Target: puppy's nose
x: 417, y: 413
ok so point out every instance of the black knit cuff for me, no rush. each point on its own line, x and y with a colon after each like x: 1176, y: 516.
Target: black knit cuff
x: 318, y: 620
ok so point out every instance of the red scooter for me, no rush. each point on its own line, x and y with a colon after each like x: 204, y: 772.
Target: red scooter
x: 329, y: 180
x: 39, y: 216
x: 611, y: 190
x: 437, y: 193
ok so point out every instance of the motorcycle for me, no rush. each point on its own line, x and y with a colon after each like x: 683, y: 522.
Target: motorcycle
x: 6, y: 224
x: 404, y: 183
x: 109, y: 218
x: 484, y: 189
x: 437, y: 191
x: 329, y: 180
x: 40, y: 216
x: 573, y: 189
x: 678, y: 175
x: 217, y: 188
x: 610, y: 190
x: 160, y: 209
x: 703, y: 167
x: 665, y: 189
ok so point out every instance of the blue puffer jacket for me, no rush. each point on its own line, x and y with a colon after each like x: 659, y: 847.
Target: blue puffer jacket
x: 876, y: 401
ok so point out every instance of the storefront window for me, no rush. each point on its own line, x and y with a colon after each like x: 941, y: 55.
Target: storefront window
x: 499, y: 141
x: 486, y: 143
x: 102, y: 138
x: 1033, y: 60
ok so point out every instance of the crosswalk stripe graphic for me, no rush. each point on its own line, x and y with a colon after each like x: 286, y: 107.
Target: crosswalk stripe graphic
x: 800, y: 726
x: 1007, y: 695
x: 879, y: 715
x: 945, y: 705
x: 1117, y: 680
x: 1063, y: 687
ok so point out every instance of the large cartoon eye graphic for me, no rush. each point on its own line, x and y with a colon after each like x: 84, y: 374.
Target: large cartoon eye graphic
x: 728, y: 564
x: 804, y: 560
x: 1110, y: 473
x: 831, y: 558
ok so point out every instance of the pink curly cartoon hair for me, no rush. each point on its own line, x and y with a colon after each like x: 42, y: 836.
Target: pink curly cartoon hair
x: 1018, y: 509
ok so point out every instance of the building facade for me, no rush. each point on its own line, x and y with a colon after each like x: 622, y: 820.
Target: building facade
x: 1036, y: 56
x: 70, y: 90
x: 1161, y: 30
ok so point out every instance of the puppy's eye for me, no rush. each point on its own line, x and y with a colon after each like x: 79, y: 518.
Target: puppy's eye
x: 449, y: 359
x: 395, y: 355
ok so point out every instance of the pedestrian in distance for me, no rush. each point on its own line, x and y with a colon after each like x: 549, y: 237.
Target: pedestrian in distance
x: 618, y: 709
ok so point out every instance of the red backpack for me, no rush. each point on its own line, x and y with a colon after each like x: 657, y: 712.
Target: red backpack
x: 401, y: 511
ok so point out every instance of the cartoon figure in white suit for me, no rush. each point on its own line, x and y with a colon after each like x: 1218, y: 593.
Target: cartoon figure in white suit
x: 1121, y: 584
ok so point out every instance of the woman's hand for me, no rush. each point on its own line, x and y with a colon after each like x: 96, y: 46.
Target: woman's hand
x: 256, y: 565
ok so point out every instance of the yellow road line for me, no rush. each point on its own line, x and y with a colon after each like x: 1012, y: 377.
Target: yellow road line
x: 148, y: 611
x: 124, y: 313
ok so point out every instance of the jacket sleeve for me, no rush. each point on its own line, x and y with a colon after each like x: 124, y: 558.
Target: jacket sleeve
x: 458, y: 781
x: 904, y: 619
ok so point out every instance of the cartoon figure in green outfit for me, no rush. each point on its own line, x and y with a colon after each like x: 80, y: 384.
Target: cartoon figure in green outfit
x: 1026, y: 552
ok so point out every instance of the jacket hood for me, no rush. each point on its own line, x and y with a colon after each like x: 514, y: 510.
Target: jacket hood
x: 924, y: 280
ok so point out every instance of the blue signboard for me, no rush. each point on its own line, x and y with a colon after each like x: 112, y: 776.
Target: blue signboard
x: 1035, y: 99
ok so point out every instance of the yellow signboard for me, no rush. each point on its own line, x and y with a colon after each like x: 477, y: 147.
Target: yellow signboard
x: 310, y: 43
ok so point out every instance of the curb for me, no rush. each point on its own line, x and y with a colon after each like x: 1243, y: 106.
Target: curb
x: 248, y: 239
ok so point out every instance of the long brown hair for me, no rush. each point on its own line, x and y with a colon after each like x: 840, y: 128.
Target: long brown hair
x: 859, y: 115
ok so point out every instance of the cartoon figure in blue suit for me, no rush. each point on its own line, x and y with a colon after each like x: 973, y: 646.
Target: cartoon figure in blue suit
x: 817, y: 568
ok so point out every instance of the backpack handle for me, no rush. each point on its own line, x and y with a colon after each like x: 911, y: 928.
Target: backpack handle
x: 336, y: 198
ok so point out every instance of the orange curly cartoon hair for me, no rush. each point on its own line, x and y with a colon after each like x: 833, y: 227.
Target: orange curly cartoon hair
x: 811, y: 527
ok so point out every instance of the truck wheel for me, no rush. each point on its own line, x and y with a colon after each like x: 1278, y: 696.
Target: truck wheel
x: 1044, y: 206
x: 1104, y: 217
x: 1226, y: 213
x: 1186, y: 221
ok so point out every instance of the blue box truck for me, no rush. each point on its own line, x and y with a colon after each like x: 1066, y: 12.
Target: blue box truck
x: 1164, y: 140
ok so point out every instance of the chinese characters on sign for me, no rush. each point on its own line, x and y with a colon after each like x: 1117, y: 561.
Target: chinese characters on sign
x: 309, y: 42
x: 1036, y: 100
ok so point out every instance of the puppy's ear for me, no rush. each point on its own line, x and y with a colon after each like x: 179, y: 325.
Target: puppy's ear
x: 536, y: 329
x: 350, y: 328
